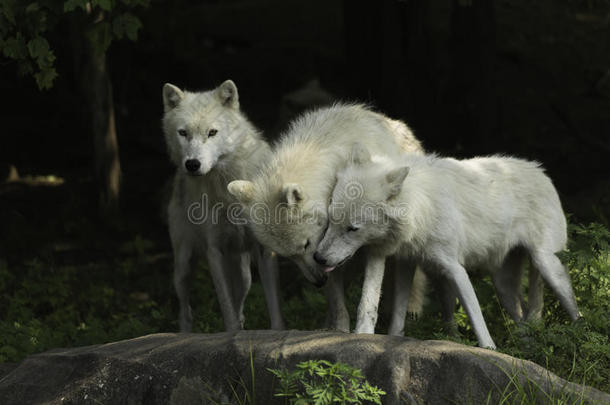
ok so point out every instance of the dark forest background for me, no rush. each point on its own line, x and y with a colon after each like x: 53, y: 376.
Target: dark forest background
x: 530, y: 79
x: 471, y: 77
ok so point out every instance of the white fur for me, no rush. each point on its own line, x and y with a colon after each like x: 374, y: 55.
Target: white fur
x: 234, y: 151
x: 449, y: 215
x: 293, y: 189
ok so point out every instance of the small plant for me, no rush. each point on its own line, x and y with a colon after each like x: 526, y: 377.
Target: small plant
x: 321, y: 382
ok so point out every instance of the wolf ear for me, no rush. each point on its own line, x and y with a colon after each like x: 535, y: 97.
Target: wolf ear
x: 227, y: 93
x: 172, y: 96
x: 360, y: 154
x: 293, y: 193
x: 395, y: 178
x: 242, y: 190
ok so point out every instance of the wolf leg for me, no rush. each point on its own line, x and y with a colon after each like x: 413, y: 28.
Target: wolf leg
x: 457, y: 276
x: 241, y: 283
x: 415, y: 308
x: 268, y: 271
x: 221, y: 285
x: 535, y: 296
x: 337, y: 317
x: 236, y: 272
x: 447, y: 298
x: 557, y: 277
x: 371, y: 291
x: 507, y: 280
x: 182, y: 269
x: 403, y: 284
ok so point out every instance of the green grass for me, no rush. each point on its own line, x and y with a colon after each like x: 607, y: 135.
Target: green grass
x: 76, y: 294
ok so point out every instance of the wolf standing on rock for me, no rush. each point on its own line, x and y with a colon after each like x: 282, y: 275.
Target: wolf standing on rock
x: 450, y: 215
x: 211, y: 143
x: 286, y: 203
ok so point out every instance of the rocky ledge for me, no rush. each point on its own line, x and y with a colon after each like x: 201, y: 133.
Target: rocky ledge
x: 207, y: 368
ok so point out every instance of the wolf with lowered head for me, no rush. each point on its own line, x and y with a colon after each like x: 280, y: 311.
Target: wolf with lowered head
x: 450, y: 215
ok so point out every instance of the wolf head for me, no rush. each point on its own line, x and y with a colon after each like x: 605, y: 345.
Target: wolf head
x: 201, y: 129
x: 283, y: 218
x: 361, y: 207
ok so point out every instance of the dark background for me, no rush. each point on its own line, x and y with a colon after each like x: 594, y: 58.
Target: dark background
x: 530, y: 79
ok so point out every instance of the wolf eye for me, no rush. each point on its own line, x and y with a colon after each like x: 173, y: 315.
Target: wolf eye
x: 212, y: 132
x: 182, y: 132
x: 306, y: 245
x: 352, y: 228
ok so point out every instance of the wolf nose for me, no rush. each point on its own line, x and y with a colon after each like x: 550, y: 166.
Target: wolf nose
x: 319, y: 259
x: 192, y: 165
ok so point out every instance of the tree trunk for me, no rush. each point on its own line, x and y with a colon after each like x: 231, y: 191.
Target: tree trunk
x: 98, y: 94
x: 106, y: 147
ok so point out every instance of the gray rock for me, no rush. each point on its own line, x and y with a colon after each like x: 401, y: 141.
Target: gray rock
x: 215, y: 368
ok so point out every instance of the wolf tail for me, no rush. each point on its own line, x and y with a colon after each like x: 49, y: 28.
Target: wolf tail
x: 417, y: 294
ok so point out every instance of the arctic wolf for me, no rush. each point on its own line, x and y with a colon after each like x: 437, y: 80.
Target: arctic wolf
x: 211, y: 143
x: 449, y: 215
x: 287, y: 202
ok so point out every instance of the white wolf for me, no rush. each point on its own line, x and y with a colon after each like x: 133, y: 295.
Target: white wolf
x: 286, y: 204
x: 211, y: 143
x: 449, y: 215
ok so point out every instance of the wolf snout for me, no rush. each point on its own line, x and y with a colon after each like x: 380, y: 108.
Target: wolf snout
x: 192, y: 165
x: 319, y: 259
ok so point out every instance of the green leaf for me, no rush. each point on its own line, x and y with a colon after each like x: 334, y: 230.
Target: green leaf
x: 38, y: 47
x: 128, y: 25
x: 15, y: 47
x: 45, y: 78
x: 46, y: 61
x: 321, y: 382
